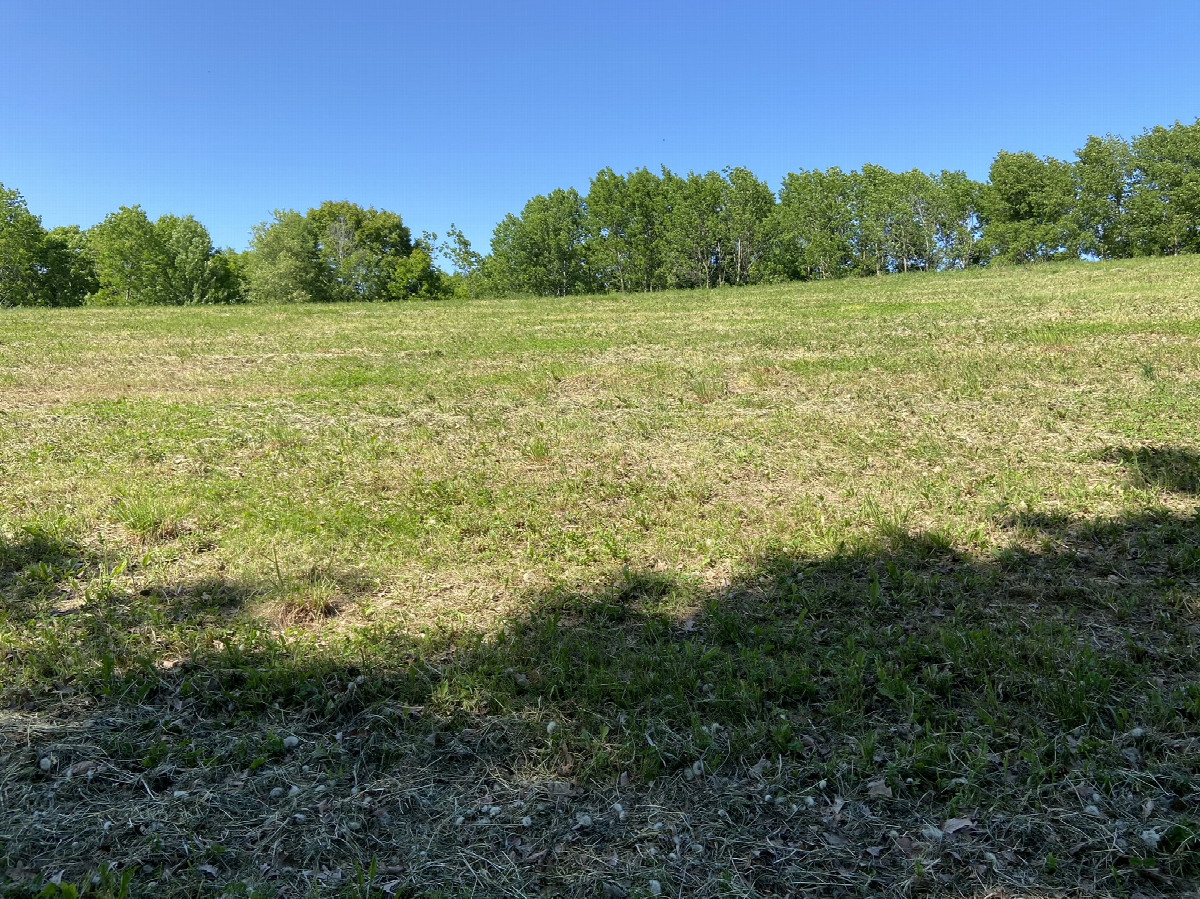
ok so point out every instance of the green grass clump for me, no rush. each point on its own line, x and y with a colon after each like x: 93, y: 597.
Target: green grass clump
x: 885, y: 586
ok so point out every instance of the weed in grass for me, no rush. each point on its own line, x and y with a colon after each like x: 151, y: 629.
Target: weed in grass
x: 148, y: 518
x: 307, y: 597
x: 538, y: 449
x: 707, y: 389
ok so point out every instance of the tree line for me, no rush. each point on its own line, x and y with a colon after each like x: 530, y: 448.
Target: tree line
x: 641, y: 231
x: 645, y: 231
x: 338, y: 251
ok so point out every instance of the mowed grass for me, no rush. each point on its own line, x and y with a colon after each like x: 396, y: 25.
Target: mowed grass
x: 872, y: 587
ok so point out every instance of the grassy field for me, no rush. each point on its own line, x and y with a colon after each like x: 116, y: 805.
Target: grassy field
x: 874, y: 587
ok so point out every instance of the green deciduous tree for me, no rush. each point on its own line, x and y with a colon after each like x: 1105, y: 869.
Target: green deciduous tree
x: 194, y: 272
x: 812, y: 227
x: 896, y: 220
x: 501, y: 267
x: 693, y: 229
x: 626, y: 230
x: 284, y: 265
x: 959, y: 223
x: 1103, y: 172
x: 131, y: 260
x: 646, y: 207
x: 339, y: 252
x: 21, y: 252
x: 68, y: 274
x: 1029, y: 208
x: 610, y: 232
x: 170, y: 262
x: 747, y: 206
x: 366, y: 253
x: 466, y: 277
x: 1164, y: 206
x: 544, y: 250
x: 415, y: 277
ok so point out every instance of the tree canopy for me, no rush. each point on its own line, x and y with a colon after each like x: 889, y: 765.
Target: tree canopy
x: 339, y: 252
x: 21, y: 247
x: 641, y: 231
x: 39, y: 267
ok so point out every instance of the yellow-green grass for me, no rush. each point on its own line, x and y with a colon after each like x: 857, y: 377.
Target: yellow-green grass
x: 926, y: 544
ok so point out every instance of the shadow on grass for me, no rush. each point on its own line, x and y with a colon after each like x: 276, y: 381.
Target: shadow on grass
x: 1049, y: 688
x: 38, y: 546
x: 1167, y: 468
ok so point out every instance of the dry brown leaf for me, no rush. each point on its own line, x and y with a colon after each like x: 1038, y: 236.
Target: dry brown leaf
x: 559, y: 788
x: 878, y: 789
x: 954, y: 825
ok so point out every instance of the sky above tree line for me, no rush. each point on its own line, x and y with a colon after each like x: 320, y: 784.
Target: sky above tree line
x: 459, y: 112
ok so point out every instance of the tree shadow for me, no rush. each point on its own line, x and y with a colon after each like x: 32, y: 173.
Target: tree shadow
x: 35, y: 564
x: 822, y: 719
x: 1168, y: 468
x: 35, y: 545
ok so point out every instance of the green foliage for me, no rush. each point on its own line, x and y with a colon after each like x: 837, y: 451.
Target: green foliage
x: 359, y: 250
x: 69, y: 274
x: 958, y: 220
x: 1104, y: 168
x: 642, y: 231
x: 693, y: 245
x: 21, y: 247
x: 339, y: 252
x: 746, y: 210
x: 415, y: 277
x: 646, y: 206
x: 714, y: 227
x: 625, y: 230
x: 1028, y: 208
x: 466, y: 277
x: 130, y: 259
x: 195, y: 273
x: 40, y: 268
x: 645, y: 232
x: 610, y: 231
x: 284, y: 264
x: 543, y: 251
x: 813, y: 227
x: 1164, y: 209
x: 897, y: 220
x: 170, y: 262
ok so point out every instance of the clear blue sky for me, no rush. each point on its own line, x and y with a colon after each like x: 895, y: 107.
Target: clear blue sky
x: 459, y: 112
